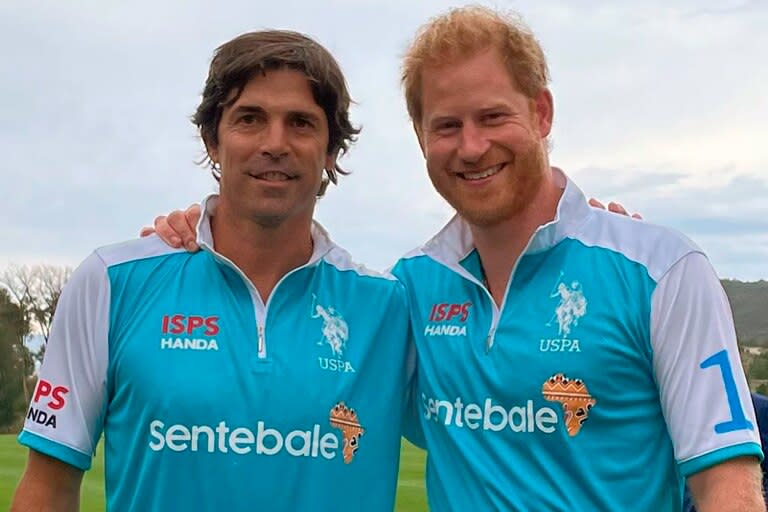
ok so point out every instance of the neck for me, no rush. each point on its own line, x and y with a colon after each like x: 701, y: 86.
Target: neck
x: 501, y: 245
x: 263, y: 253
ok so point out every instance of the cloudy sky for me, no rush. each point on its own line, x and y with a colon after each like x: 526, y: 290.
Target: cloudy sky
x: 662, y: 105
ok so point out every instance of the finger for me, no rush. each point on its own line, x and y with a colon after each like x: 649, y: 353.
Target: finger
x: 616, y: 208
x: 165, y: 232
x: 637, y: 216
x: 191, y: 217
x: 177, y: 221
x: 146, y: 231
x: 596, y: 204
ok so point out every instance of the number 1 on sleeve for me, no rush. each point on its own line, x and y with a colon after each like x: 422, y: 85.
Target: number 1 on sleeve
x: 738, y: 420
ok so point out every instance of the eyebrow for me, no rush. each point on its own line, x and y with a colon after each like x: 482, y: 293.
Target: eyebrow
x: 496, y: 107
x: 248, y: 109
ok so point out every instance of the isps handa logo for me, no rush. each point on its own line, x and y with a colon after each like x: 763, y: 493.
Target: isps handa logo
x: 48, y: 399
x: 189, y: 332
x: 448, y: 319
x: 572, y: 305
x: 334, y: 334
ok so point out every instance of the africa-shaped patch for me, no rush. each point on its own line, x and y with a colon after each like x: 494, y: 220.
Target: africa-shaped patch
x: 574, y: 396
x: 345, y: 419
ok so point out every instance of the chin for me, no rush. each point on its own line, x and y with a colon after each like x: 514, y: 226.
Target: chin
x: 489, y: 213
x: 484, y: 219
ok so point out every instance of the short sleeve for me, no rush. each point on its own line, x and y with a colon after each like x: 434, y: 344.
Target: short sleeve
x: 704, y: 393
x: 412, y: 429
x: 66, y: 413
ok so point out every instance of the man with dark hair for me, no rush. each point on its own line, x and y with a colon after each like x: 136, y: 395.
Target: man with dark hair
x: 247, y: 375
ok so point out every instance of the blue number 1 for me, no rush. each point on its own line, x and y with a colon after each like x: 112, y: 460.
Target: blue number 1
x: 738, y: 421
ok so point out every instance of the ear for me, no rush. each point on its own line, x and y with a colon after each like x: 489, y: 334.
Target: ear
x: 330, y: 160
x: 544, y: 108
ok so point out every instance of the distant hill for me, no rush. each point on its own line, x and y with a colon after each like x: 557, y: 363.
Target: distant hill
x: 749, y: 302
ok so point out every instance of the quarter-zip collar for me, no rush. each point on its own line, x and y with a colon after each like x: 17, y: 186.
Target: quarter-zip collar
x: 322, y: 245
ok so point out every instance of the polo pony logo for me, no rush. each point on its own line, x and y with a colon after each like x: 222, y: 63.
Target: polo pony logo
x: 572, y: 306
x: 335, y: 330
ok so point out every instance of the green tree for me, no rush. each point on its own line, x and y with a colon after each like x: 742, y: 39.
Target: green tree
x: 758, y: 368
x: 16, y: 362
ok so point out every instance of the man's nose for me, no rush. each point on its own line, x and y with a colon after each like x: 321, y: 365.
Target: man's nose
x: 473, y: 144
x: 274, y: 143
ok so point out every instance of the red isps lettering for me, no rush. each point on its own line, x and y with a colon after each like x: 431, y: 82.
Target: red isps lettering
x: 212, y: 326
x: 46, y: 389
x: 177, y: 324
x: 193, y: 322
x: 174, y: 324
x: 447, y: 311
x: 453, y: 310
x: 465, y: 311
x: 438, y: 312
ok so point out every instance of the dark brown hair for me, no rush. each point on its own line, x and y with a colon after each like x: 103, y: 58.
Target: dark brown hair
x: 234, y: 64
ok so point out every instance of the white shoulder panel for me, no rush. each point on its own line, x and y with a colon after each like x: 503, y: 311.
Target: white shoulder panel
x: 655, y: 247
x: 132, y: 250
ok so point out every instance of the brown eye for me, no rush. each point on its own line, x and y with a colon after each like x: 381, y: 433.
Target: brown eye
x: 302, y: 123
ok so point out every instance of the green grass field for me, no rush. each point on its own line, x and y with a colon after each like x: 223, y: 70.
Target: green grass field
x: 410, y: 489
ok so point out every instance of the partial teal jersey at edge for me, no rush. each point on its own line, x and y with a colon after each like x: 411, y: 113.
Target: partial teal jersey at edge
x: 214, y: 402
x: 553, y: 401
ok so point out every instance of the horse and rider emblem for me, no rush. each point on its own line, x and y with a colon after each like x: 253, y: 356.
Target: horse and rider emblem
x: 335, y: 331
x: 572, y: 306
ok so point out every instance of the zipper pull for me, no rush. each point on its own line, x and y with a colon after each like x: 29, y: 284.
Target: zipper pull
x: 489, y: 341
x: 262, y: 345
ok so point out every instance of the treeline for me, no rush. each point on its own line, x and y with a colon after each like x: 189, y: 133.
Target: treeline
x: 749, y: 302
x: 28, y: 299
x: 756, y: 367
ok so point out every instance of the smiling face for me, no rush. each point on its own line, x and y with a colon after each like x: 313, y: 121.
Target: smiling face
x: 483, y: 139
x: 272, y: 148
